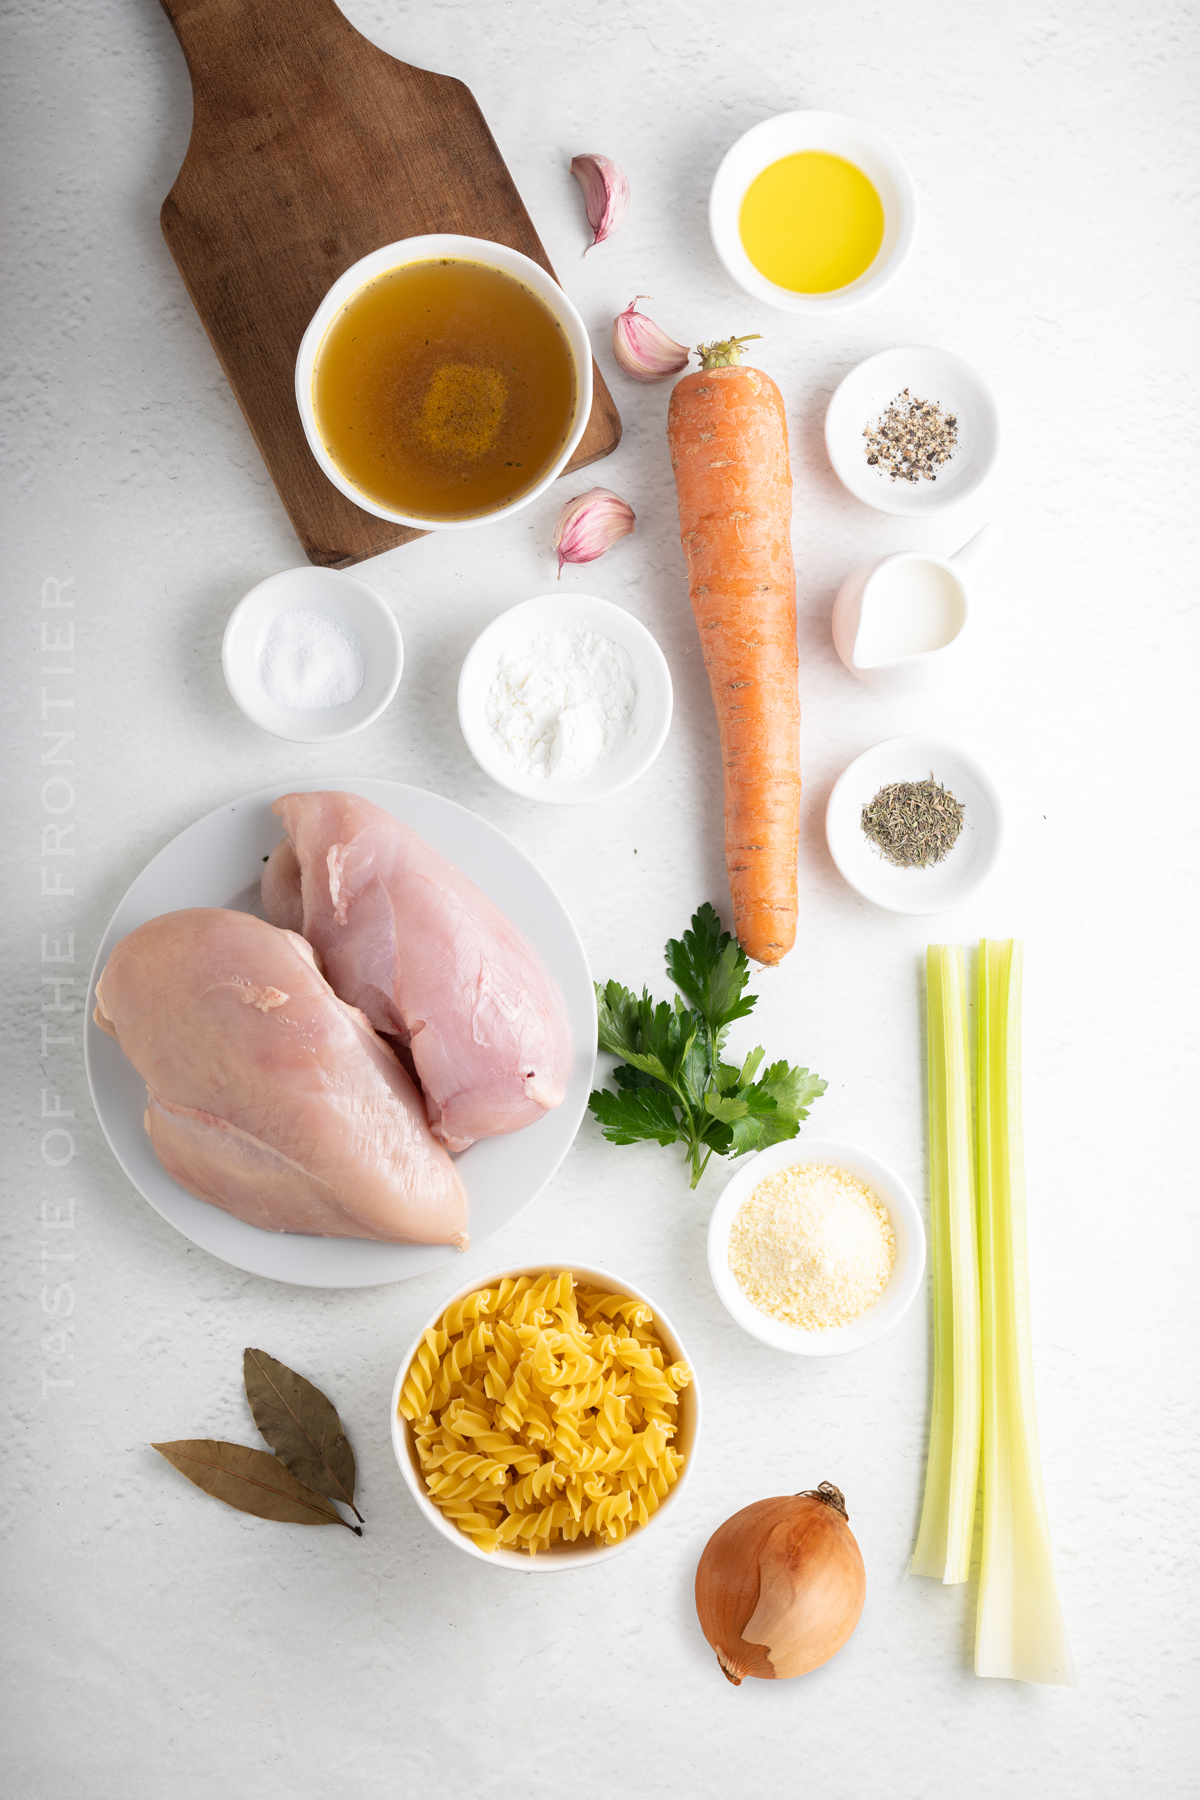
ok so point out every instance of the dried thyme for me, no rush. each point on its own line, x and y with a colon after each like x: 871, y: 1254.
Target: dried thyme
x: 911, y: 439
x: 913, y: 824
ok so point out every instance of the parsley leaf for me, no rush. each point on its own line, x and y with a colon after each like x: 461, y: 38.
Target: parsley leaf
x: 616, y: 1011
x: 634, y: 1115
x: 672, y: 1085
x: 793, y: 1091
x: 711, y: 969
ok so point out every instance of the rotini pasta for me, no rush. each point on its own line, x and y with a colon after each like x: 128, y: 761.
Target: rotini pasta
x: 543, y: 1412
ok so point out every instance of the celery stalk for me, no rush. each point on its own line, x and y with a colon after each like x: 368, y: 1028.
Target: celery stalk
x: 943, y: 1548
x: 1019, y: 1630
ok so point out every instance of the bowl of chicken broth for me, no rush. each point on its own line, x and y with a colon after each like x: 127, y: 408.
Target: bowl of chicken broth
x: 444, y: 381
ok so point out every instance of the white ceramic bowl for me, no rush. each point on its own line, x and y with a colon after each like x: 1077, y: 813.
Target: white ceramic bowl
x: 903, y: 1216
x: 583, y: 1553
x: 421, y: 249
x: 945, y: 884
x: 342, y: 597
x: 787, y: 134
x: 928, y: 374
x: 651, y: 713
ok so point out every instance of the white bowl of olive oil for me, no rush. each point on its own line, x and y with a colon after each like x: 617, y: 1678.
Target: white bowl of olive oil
x: 812, y: 212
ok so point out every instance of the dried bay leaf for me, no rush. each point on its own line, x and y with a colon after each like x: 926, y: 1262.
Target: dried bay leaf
x: 250, y: 1480
x: 302, y: 1427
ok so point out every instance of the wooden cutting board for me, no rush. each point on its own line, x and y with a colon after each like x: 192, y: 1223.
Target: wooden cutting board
x: 310, y: 146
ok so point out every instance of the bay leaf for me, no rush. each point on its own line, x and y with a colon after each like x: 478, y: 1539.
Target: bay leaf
x: 250, y: 1480
x: 302, y: 1427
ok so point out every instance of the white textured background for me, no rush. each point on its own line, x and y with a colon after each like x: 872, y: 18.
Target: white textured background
x: 160, y: 1643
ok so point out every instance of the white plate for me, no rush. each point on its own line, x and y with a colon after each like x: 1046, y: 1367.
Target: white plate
x: 218, y: 862
x: 945, y: 884
x: 903, y: 1216
x: 546, y: 612
x: 928, y: 374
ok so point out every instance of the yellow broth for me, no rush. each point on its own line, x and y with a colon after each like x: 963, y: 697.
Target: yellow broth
x: 444, y: 389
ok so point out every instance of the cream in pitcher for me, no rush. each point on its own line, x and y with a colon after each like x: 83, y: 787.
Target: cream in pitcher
x: 897, y: 622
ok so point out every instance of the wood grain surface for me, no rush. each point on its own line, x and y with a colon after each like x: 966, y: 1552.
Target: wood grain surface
x: 310, y: 147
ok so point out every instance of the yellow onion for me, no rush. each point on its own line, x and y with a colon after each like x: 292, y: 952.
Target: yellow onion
x: 780, y: 1585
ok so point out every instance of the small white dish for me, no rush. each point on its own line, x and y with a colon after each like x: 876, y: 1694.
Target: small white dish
x: 341, y: 597
x: 928, y: 374
x: 583, y: 1553
x: 943, y: 885
x: 423, y: 249
x: 789, y: 134
x: 903, y: 1216
x: 548, y: 612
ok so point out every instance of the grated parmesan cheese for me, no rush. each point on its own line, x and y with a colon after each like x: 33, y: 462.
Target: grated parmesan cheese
x: 812, y: 1246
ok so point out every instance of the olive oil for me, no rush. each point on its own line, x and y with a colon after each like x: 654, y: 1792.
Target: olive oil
x: 445, y: 389
x: 811, y: 222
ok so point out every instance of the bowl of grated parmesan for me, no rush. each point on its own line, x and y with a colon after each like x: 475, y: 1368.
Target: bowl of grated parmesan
x: 816, y: 1247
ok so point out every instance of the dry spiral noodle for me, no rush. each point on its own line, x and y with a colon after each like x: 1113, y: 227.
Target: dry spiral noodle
x: 543, y: 1411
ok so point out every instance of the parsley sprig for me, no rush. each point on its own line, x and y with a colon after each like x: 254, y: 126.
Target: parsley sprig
x: 672, y: 1086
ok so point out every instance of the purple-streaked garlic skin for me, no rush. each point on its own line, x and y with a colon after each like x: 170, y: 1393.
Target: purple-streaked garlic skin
x: 589, y: 525
x: 643, y: 349
x: 605, y: 194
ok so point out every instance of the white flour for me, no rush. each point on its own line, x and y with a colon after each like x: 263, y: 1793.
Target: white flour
x: 561, y: 703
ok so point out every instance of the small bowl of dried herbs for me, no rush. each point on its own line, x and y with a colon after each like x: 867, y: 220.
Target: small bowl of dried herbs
x: 912, y: 430
x: 914, y: 825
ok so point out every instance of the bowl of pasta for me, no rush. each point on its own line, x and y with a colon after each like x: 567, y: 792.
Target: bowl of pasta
x: 545, y: 1417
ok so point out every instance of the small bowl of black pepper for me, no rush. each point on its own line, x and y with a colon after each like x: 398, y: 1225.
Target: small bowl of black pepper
x: 912, y: 430
x: 914, y: 825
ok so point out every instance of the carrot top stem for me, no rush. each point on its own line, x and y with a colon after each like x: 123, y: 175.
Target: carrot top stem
x: 726, y: 355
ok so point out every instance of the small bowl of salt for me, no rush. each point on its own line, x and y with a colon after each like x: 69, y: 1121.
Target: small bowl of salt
x: 816, y: 1247
x: 565, y: 698
x: 312, y: 655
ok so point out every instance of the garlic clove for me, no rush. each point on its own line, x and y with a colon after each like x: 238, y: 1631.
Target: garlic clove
x: 588, y: 525
x: 643, y: 348
x: 605, y: 194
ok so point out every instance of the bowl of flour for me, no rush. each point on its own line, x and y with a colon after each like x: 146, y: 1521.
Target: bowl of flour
x: 565, y: 698
x: 816, y: 1247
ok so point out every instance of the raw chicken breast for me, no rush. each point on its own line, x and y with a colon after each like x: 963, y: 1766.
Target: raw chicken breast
x: 404, y: 935
x: 267, y: 1095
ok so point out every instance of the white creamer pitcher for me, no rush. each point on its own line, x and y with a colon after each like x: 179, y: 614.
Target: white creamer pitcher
x: 899, y: 623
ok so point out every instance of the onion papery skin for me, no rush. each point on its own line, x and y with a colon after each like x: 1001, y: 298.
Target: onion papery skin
x: 780, y: 1588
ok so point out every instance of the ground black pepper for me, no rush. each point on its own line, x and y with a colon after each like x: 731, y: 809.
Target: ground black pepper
x: 911, y: 439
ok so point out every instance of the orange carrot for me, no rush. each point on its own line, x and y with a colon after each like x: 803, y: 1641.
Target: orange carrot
x: 729, y: 450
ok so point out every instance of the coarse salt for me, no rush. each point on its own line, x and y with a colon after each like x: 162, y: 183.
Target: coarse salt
x: 310, y: 661
x: 812, y: 1246
x: 560, y: 704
